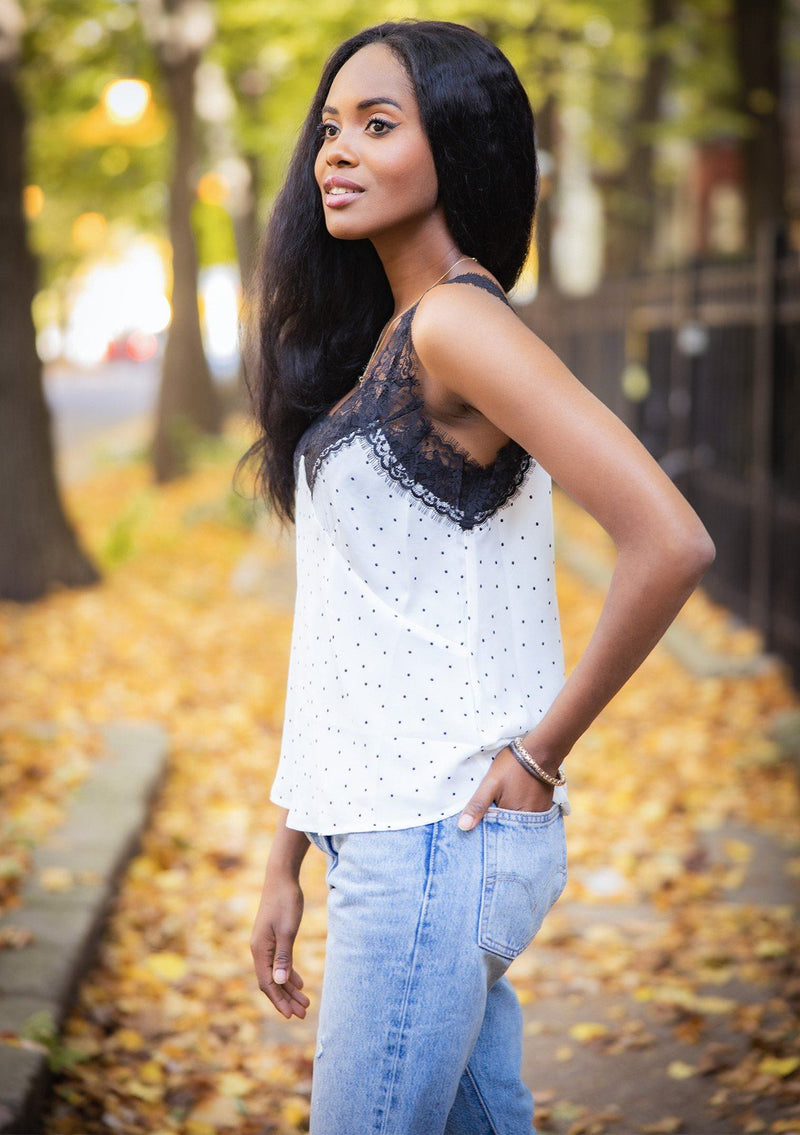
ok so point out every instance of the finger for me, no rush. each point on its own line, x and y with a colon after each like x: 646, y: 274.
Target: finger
x: 474, y: 811
x: 282, y: 1001
x: 282, y: 962
x: 292, y: 987
x: 285, y: 998
x: 287, y: 1004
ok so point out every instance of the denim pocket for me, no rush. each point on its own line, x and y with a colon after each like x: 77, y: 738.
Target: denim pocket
x: 523, y: 874
x: 326, y: 844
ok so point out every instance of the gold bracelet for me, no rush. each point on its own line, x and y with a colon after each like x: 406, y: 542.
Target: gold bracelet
x: 520, y: 750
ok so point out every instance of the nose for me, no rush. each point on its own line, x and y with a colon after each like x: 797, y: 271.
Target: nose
x: 339, y: 151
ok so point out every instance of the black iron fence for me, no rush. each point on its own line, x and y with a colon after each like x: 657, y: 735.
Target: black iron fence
x: 703, y: 364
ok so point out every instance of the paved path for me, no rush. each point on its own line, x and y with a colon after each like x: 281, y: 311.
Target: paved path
x: 619, y: 1081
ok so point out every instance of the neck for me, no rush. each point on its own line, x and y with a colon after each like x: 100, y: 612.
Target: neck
x: 415, y: 259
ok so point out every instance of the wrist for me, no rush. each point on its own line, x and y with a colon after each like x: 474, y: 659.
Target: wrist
x: 548, y: 757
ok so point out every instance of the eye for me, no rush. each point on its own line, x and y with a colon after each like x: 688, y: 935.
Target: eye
x: 389, y: 126
x: 386, y: 127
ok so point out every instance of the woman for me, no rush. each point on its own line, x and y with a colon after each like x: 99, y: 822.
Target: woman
x: 410, y: 429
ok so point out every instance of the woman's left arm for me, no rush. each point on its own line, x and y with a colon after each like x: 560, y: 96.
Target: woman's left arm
x: 475, y: 346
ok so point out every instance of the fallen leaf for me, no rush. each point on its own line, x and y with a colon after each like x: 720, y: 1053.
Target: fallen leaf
x: 680, y: 1070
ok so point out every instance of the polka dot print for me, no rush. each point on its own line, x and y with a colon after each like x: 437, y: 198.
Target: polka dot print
x: 420, y: 647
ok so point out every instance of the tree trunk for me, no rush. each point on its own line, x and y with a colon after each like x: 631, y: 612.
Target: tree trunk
x: 630, y: 196
x: 246, y: 234
x: 188, y: 399
x: 38, y: 547
x: 545, y: 140
x: 758, y: 29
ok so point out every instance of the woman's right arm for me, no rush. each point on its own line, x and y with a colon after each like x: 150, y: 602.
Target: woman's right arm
x: 278, y: 920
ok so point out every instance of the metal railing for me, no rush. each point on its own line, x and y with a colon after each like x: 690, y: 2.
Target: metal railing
x: 703, y: 364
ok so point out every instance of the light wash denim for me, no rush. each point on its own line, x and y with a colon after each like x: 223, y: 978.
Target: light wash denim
x: 420, y: 1031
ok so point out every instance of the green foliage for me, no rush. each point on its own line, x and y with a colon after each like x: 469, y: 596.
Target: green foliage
x: 590, y: 52
x: 232, y: 511
x: 213, y: 233
x: 41, y: 1028
x: 120, y: 542
x: 71, y: 50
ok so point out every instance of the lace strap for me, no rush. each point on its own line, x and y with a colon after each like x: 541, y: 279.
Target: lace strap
x: 480, y: 281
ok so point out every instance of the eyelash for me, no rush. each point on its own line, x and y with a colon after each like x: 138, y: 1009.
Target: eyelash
x: 323, y: 126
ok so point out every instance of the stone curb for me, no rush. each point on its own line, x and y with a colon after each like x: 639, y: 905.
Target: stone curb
x: 101, y: 835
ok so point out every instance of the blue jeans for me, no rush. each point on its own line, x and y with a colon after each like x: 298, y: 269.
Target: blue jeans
x: 420, y: 1031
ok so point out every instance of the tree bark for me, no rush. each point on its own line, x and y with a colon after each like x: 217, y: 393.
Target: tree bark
x: 246, y: 235
x: 187, y: 398
x: 758, y: 29
x: 630, y: 197
x: 545, y: 131
x: 38, y: 546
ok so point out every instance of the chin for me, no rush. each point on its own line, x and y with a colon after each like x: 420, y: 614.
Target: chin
x: 348, y: 232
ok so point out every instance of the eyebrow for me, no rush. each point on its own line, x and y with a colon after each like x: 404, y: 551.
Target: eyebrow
x: 364, y: 104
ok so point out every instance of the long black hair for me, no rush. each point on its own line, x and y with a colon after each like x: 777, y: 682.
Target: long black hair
x: 318, y: 303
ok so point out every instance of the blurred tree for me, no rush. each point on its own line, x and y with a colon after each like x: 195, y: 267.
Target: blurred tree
x: 758, y: 38
x: 630, y: 200
x: 79, y: 155
x: 38, y: 547
x: 179, y: 32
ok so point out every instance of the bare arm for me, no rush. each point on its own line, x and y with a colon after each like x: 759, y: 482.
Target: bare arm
x: 288, y: 850
x: 476, y: 347
x: 278, y: 921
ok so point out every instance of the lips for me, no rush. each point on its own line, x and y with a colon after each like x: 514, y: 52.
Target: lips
x: 340, y: 191
x: 341, y: 182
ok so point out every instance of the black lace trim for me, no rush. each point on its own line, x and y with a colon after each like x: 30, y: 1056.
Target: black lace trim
x: 388, y: 411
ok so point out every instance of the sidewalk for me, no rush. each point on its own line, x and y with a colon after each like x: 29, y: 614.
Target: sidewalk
x: 636, y: 1019
x: 661, y: 993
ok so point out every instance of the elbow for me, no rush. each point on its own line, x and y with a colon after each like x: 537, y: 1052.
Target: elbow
x: 695, y: 551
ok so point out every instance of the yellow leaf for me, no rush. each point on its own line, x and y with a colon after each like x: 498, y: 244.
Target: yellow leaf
x: 779, y: 1065
x: 167, y: 964
x: 679, y: 1070
x: 295, y: 1110
x: 738, y: 850
x: 564, y: 1052
x: 669, y: 1125
x: 56, y: 878
x: 151, y: 1093
x: 770, y: 948
x: 151, y: 1072
x: 587, y: 1030
x: 235, y: 1084
x: 216, y: 1111
x: 129, y: 1039
x: 715, y: 1004
x: 677, y: 995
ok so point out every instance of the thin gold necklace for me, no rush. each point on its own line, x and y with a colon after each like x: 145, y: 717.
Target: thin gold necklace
x: 402, y: 313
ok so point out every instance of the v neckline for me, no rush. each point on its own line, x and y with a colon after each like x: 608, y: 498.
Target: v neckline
x: 340, y: 405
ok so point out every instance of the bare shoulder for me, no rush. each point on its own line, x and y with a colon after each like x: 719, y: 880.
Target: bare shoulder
x: 451, y: 317
x: 461, y: 294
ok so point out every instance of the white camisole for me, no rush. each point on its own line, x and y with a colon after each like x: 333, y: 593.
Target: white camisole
x: 426, y: 628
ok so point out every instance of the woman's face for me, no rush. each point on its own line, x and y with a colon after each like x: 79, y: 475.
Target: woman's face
x: 381, y: 148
